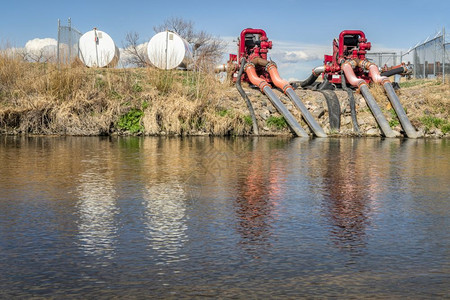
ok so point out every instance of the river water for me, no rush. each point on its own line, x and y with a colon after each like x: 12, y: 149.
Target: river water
x: 85, y: 217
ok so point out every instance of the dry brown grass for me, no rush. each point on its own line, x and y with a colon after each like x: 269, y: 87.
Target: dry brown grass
x: 42, y: 99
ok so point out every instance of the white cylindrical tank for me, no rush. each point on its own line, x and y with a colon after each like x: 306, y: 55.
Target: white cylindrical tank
x: 97, y: 49
x: 167, y: 50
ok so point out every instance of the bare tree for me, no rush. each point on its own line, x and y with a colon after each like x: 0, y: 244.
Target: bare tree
x: 134, y: 50
x: 37, y: 55
x: 207, y: 49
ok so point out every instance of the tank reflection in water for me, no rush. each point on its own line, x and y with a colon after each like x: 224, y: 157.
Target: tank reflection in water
x: 97, y: 212
x: 165, y: 218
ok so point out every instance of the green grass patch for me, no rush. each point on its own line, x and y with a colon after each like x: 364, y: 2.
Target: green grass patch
x: 278, y: 122
x: 394, y: 121
x: 433, y: 122
x: 131, y: 121
x: 247, y: 120
x: 224, y: 112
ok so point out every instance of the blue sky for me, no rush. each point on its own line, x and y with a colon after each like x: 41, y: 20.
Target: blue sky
x: 295, y: 24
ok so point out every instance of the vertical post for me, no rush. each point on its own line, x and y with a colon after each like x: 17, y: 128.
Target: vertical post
x: 443, y: 55
x: 424, y: 62
x: 415, y: 62
x: 58, y: 44
x: 70, y: 40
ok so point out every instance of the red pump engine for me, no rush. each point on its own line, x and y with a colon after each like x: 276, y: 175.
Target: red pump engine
x: 252, y: 43
x: 352, y: 44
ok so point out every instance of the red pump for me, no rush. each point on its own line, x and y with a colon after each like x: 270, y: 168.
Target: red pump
x: 251, y: 65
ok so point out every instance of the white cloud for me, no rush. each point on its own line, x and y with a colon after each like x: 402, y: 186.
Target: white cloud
x: 41, y: 49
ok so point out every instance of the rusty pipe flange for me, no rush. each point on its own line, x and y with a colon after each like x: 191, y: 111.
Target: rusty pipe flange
x: 350, y: 62
x: 270, y: 65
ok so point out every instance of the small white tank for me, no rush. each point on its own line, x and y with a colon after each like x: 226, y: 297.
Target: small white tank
x: 167, y: 50
x: 97, y: 49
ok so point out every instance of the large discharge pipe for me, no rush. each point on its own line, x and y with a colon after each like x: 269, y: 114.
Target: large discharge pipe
x: 289, y: 91
x: 265, y: 88
x: 401, y: 114
x: 374, y: 73
x: 347, y: 67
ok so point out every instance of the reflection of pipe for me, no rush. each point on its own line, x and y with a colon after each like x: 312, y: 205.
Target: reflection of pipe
x: 265, y: 88
x: 314, y: 75
x: 376, y: 111
x: 287, y: 89
x: 247, y: 101
x: 401, y: 114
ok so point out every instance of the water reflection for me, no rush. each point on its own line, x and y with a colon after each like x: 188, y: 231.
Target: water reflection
x: 165, y: 213
x: 346, y: 190
x: 97, y: 228
x: 259, y: 190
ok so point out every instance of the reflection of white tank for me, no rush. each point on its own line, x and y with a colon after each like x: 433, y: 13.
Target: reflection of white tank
x: 97, y: 49
x: 167, y: 50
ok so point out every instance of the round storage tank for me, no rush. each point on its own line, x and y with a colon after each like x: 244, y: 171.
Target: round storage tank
x: 167, y: 50
x: 97, y: 49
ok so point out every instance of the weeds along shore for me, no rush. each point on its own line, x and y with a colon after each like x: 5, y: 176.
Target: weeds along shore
x: 38, y: 98
x: 42, y: 99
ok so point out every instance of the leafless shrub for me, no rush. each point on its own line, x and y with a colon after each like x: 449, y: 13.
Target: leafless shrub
x: 134, y: 51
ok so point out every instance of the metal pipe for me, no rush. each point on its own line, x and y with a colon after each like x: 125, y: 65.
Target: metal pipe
x: 347, y: 67
x: 265, y: 88
x: 290, y: 119
x: 376, y: 111
x: 247, y: 100
x: 289, y: 91
x: 401, y: 114
x: 276, y: 78
x: 374, y: 73
x: 312, y: 78
x: 394, y: 71
x: 351, y: 99
x: 315, y: 127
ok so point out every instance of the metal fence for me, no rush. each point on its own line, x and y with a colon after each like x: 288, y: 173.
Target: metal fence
x: 431, y: 58
x: 67, y: 48
x: 382, y: 59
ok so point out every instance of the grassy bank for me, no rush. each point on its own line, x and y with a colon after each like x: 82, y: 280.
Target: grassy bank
x: 42, y: 99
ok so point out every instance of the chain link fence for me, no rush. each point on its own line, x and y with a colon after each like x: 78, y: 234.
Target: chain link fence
x: 431, y: 58
x: 382, y: 59
x: 67, y: 48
